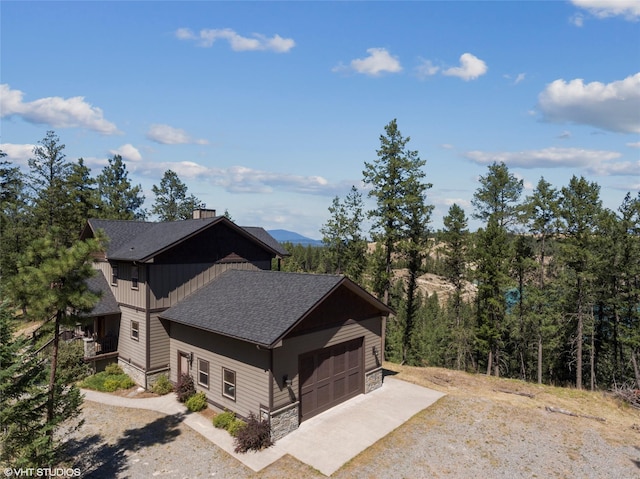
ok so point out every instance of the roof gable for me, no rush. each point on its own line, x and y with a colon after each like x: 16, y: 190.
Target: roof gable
x: 141, y: 240
x: 258, y: 306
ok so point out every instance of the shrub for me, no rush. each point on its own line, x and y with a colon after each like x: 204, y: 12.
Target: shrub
x: 113, y: 369
x: 125, y: 382
x: 185, y: 388
x: 234, y: 427
x: 197, y: 402
x: 224, y: 419
x: 162, y: 385
x: 110, y: 384
x: 71, y: 365
x: 255, y: 435
x: 107, y: 382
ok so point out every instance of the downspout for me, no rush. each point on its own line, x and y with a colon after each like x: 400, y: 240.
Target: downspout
x: 148, y: 321
x: 271, y: 378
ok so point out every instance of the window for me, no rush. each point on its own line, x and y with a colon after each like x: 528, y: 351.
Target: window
x: 114, y: 274
x: 229, y: 383
x: 134, y: 277
x: 135, y: 330
x: 203, y: 373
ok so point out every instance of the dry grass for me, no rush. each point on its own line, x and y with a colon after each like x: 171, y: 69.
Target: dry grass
x: 618, y: 427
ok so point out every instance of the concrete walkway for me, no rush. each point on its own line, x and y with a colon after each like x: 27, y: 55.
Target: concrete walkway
x: 325, y: 442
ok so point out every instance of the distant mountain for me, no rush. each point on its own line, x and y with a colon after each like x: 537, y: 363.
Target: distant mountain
x: 284, y: 236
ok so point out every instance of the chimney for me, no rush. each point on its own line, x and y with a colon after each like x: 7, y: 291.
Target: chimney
x: 203, y: 213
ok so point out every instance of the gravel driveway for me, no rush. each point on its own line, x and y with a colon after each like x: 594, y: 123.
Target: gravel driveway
x: 458, y: 437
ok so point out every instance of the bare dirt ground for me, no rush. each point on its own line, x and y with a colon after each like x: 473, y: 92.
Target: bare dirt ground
x: 480, y: 429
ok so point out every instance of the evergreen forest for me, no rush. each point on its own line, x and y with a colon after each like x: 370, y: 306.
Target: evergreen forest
x: 546, y: 290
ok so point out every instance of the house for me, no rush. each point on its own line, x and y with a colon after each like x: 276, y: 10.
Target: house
x: 199, y: 297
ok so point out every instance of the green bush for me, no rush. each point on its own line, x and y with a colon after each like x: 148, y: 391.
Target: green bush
x: 113, y: 369
x: 162, y: 385
x: 197, y: 402
x: 254, y: 436
x: 110, y: 385
x: 235, y: 426
x: 224, y: 419
x: 107, y: 382
x: 185, y: 388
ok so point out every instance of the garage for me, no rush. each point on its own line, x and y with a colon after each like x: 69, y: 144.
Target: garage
x: 330, y: 376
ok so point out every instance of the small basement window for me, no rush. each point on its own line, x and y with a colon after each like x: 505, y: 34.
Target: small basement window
x: 134, y: 277
x: 229, y: 383
x: 203, y: 373
x: 135, y: 330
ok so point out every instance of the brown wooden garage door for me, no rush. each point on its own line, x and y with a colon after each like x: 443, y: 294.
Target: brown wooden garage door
x: 330, y: 376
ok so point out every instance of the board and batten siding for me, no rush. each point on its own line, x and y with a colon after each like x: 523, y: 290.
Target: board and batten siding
x: 123, y: 290
x: 159, y: 341
x: 170, y: 283
x: 250, y: 364
x: 285, y: 358
x: 130, y: 350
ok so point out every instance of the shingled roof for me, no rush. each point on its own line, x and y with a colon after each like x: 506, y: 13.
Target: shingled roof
x: 141, y: 240
x: 107, y: 303
x: 256, y: 306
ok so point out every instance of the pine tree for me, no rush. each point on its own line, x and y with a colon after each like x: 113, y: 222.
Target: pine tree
x: 396, y: 178
x: 172, y: 202
x: 48, y: 180
x: 342, y: 236
x: 23, y: 398
x: 401, y: 215
x: 455, y: 237
x: 118, y: 199
x: 15, y: 228
x: 580, y: 209
x: 496, y: 203
x: 52, y: 279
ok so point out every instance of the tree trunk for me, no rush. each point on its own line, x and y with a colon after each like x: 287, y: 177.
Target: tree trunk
x: 636, y: 370
x: 540, y: 359
x: 579, y: 334
x: 592, y: 365
x: 489, y: 362
x: 52, y: 376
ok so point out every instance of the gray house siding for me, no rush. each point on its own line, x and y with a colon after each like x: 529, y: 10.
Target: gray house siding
x: 170, y: 283
x: 285, y: 358
x: 250, y: 364
x: 132, y: 352
x: 159, y: 341
x: 124, y: 292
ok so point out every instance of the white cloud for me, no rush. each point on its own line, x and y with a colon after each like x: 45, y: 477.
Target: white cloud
x: 379, y: 61
x: 629, y: 9
x: 426, y: 69
x: 577, y: 20
x: 242, y: 179
x: 18, y: 154
x: 127, y: 152
x: 547, y: 158
x: 612, y: 106
x: 471, y: 67
x: 55, y: 111
x: 623, y: 168
x: 634, y: 145
x: 238, y: 43
x: 168, y: 135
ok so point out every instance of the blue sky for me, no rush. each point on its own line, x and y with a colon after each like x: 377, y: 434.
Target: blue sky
x: 270, y: 109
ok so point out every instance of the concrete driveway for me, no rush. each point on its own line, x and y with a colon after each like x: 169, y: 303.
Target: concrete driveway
x: 326, y: 441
